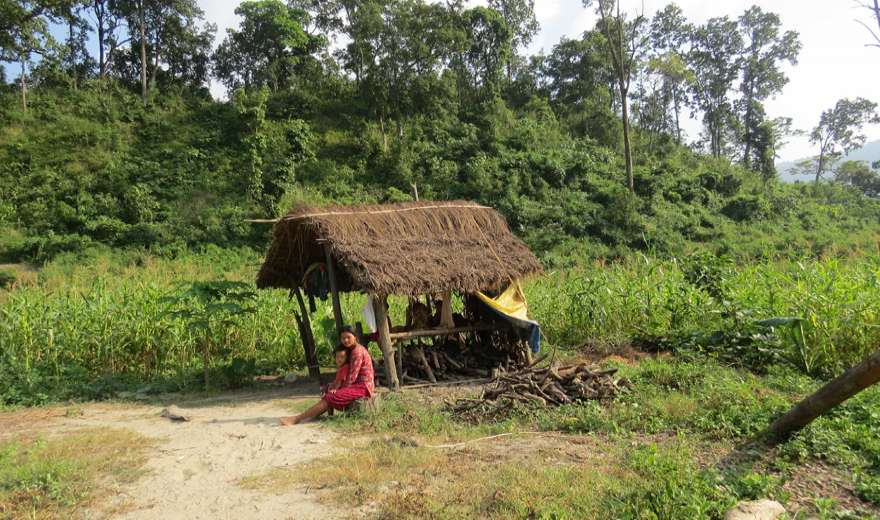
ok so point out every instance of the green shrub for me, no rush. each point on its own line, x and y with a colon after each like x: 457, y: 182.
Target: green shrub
x: 7, y: 278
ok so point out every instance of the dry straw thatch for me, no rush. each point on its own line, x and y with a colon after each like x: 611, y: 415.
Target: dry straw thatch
x: 407, y: 249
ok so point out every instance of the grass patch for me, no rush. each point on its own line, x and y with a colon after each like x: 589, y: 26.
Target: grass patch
x: 552, y: 477
x: 664, y: 437
x: 52, y: 477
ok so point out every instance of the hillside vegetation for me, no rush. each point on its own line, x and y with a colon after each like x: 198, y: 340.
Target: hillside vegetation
x: 88, y: 154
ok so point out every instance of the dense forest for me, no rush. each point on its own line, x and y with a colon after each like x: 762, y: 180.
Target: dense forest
x: 110, y: 135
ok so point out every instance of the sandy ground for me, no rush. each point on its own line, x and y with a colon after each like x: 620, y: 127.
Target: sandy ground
x: 195, y: 466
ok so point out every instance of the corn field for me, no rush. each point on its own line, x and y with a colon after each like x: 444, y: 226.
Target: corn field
x: 91, y: 327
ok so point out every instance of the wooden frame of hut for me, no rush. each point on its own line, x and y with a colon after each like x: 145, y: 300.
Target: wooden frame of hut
x: 407, y: 249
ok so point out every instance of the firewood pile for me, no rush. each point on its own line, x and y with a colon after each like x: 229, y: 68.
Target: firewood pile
x: 454, y: 360
x: 531, y: 387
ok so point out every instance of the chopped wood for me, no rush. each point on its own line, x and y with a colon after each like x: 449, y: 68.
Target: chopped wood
x: 420, y: 355
x: 552, y: 386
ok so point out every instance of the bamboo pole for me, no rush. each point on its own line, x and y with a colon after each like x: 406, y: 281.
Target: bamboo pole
x: 381, y: 312
x: 834, y: 392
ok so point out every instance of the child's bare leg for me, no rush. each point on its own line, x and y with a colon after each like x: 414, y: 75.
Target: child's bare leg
x: 316, y: 410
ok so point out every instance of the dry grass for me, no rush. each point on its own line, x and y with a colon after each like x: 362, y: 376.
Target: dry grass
x: 47, y: 478
x: 398, y: 477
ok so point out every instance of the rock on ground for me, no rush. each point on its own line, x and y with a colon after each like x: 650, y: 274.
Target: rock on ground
x: 756, y: 510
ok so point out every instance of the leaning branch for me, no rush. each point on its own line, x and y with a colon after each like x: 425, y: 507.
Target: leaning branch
x: 848, y: 384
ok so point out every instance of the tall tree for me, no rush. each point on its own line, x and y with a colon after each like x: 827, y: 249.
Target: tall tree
x: 480, y: 45
x: 168, y: 38
x: 859, y: 175
x: 874, y: 9
x: 77, y: 36
x: 266, y: 48
x: 714, y: 57
x: 177, y: 38
x: 579, y: 82
x: 840, y: 131
x: 669, y: 33
x: 106, y: 20
x: 769, y: 136
x: 766, y: 48
x: 624, y: 39
x: 519, y: 15
x: 24, y: 31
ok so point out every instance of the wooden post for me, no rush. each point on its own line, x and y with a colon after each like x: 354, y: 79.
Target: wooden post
x: 832, y: 394
x: 359, y: 333
x: 334, y: 288
x: 305, y: 331
x: 446, y: 320
x: 385, y: 341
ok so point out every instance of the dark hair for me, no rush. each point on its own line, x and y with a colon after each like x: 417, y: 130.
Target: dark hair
x: 347, y: 328
x: 341, y: 348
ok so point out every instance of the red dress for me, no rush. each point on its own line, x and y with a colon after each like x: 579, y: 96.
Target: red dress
x: 358, y: 382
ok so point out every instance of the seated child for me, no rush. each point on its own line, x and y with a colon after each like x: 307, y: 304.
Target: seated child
x: 341, y: 371
x: 355, y: 382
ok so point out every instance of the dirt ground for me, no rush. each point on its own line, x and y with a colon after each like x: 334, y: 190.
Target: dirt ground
x: 194, y: 468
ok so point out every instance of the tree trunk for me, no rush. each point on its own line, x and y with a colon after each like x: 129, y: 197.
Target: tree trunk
x: 72, y: 49
x: 23, y: 82
x: 819, y: 167
x: 677, y: 109
x: 627, y: 149
x: 747, y: 159
x: 141, y: 23
x: 99, y: 26
x: 838, y: 390
x: 152, y: 81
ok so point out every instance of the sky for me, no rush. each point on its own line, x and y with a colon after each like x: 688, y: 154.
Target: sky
x: 834, y: 62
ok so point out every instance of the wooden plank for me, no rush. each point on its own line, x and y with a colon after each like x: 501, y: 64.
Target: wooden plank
x: 334, y: 288
x: 836, y: 391
x: 385, y: 341
x: 445, y: 331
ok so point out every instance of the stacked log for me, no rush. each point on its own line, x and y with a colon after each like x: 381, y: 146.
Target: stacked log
x: 534, y: 387
x: 452, y: 360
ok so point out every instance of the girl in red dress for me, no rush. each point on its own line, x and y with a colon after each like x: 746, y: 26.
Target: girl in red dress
x: 353, y: 384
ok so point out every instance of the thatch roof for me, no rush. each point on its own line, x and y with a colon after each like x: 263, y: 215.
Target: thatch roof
x: 406, y: 249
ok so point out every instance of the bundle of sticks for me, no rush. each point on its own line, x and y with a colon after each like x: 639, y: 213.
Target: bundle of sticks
x: 547, y: 386
x: 452, y: 360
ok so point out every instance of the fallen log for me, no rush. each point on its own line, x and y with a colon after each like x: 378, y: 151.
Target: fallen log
x: 836, y: 391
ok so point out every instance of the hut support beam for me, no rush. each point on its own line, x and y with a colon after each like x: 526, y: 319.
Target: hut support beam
x: 304, y: 323
x: 446, y: 320
x: 334, y: 288
x: 381, y: 312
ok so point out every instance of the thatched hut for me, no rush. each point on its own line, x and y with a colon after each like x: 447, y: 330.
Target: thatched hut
x: 408, y: 249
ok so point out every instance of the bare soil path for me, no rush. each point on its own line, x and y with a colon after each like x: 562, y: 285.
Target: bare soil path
x: 195, y: 467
